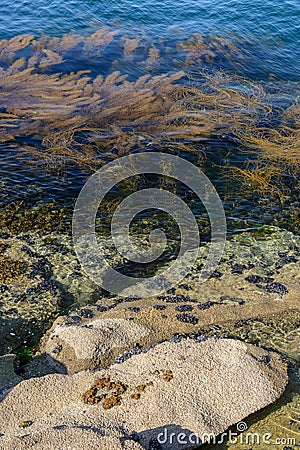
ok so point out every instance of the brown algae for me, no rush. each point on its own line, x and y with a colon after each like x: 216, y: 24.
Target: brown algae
x: 87, y: 120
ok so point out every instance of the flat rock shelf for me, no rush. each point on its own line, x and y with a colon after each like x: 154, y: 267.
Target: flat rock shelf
x: 171, y: 392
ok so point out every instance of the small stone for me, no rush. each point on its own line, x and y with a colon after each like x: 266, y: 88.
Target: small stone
x: 135, y: 396
x: 72, y: 320
x: 134, y: 309
x: 25, y: 423
x: 3, y: 288
x: 175, y: 298
x: 168, y: 375
x: 102, y: 308
x: 185, y: 286
x: 227, y: 298
x: 238, y: 268
x: 57, y: 349
x: 264, y: 359
x: 285, y: 260
x: 171, y: 291
x: 112, y: 401
x: 217, y: 274
x: 141, y: 387
x: 160, y: 307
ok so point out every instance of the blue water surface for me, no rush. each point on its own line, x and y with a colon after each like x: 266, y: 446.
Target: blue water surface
x: 268, y: 29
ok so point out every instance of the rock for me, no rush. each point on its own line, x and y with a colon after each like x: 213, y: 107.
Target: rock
x: 71, y: 438
x: 185, y: 387
x: 8, y: 377
x: 29, y: 299
x: 42, y: 277
x: 42, y: 364
x: 80, y: 345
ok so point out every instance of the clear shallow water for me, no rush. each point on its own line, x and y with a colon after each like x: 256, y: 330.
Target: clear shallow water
x: 267, y: 34
x: 26, y: 187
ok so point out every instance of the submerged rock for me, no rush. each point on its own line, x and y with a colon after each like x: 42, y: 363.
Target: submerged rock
x: 29, y: 299
x: 42, y: 278
x: 188, y: 388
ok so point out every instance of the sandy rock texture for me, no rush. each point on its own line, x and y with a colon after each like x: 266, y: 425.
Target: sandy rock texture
x: 187, y: 387
x: 79, y: 345
x: 8, y: 377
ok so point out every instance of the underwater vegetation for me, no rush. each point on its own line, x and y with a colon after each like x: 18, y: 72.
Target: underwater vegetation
x: 131, y: 95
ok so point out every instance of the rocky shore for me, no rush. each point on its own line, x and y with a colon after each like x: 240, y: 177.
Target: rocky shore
x: 41, y: 278
x: 171, y: 393
x: 129, y: 373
